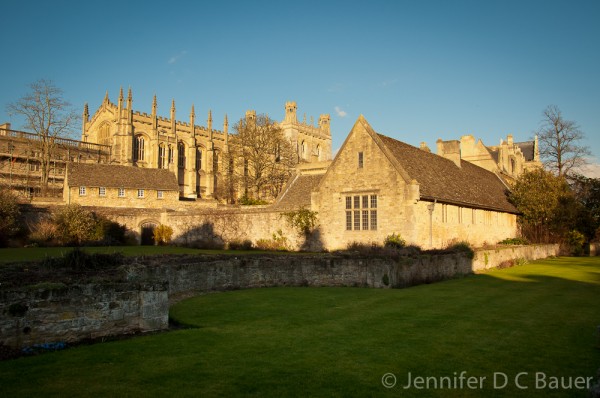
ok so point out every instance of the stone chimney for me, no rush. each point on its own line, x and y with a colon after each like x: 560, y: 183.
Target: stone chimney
x: 424, y: 147
x: 450, y: 150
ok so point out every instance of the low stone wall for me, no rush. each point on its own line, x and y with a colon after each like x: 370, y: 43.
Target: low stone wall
x: 510, y: 255
x: 193, y: 274
x: 55, y: 312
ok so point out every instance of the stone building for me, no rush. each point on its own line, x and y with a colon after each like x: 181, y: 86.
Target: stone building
x: 192, y: 152
x: 509, y: 159
x: 115, y: 186
x: 377, y: 186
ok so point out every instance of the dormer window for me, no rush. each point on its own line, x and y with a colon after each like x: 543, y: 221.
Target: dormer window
x: 360, y: 160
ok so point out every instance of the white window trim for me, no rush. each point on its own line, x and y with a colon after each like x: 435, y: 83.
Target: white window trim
x: 119, y: 191
x: 82, y: 191
x: 141, y: 193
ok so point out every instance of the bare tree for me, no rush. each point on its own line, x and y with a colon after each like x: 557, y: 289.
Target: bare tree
x: 47, y: 115
x: 261, y: 158
x: 559, y: 146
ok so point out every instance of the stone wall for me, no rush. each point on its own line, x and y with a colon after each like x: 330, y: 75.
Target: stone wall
x: 58, y: 313
x: 508, y: 256
x: 54, y: 312
x: 193, y: 274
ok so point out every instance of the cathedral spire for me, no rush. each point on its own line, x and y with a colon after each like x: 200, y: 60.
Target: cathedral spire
x: 173, y: 111
x: 105, y: 98
x: 120, y: 102
x: 193, y: 120
x: 154, y: 105
x: 209, y: 121
x: 129, y: 99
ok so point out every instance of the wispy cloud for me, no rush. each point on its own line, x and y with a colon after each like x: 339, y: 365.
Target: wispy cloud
x: 177, y: 57
x: 340, y: 112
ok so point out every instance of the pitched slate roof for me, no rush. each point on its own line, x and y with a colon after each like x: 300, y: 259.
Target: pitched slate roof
x: 104, y: 175
x: 297, y: 192
x: 442, y: 180
x: 528, y: 149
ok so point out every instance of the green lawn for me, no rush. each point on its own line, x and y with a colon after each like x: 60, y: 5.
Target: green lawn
x: 39, y: 253
x: 538, y: 318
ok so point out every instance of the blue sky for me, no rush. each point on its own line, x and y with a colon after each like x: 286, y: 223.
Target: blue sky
x: 417, y: 70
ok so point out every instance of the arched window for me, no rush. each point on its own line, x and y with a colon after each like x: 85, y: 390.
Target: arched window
x: 138, y: 148
x: 303, y: 150
x: 318, y: 151
x: 181, y: 155
x: 162, y: 156
x: 216, y: 161
x: 171, y: 154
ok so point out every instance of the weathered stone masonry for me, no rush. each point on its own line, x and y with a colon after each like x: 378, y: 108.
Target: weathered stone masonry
x: 45, y: 313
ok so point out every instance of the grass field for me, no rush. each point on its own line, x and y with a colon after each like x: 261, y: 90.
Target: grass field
x: 39, y: 253
x: 530, y: 321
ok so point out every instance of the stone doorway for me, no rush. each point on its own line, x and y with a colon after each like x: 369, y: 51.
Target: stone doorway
x: 148, y: 234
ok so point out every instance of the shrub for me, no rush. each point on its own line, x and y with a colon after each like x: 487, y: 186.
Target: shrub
x: 110, y: 232
x: 240, y: 245
x: 278, y: 242
x: 206, y: 244
x: 385, y: 280
x: 575, y: 241
x: 302, y: 220
x: 75, y: 225
x: 163, y: 234
x: 9, y: 216
x: 514, y: 241
x: 461, y: 247
x: 78, y: 259
x: 43, y: 233
x: 248, y: 201
x: 394, y: 240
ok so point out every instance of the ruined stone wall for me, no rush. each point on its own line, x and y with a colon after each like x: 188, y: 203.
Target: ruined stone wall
x: 57, y: 313
x: 47, y: 313
x: 512, y: 255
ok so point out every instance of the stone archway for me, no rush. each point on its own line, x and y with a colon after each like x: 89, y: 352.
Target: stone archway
x: 147, y: 233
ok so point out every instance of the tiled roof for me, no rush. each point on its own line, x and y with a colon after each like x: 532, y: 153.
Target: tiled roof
x: 104, y: 175
x: 528, y: 149
x: 297, y: 192
x: 439, y: 178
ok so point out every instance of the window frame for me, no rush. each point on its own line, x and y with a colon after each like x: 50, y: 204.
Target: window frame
x: 361, y: 212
